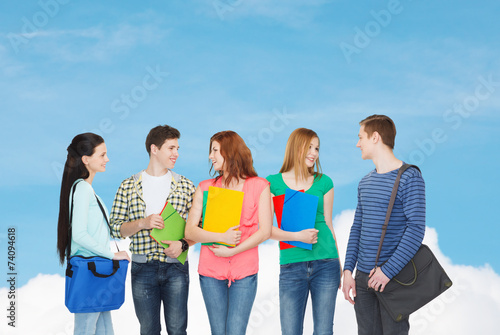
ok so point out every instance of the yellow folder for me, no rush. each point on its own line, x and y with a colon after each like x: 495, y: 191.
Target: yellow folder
x: 223, y: 210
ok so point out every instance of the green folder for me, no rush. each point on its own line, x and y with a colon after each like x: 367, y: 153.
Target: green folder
x: 173, y: 230
x: 205, y: 197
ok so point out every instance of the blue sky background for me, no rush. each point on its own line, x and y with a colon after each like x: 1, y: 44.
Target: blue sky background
x: 261, y: 68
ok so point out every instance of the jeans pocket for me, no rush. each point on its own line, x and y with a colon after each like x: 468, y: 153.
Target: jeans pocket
x: 328, y: 260
x: 182, y: 268
x: 136, y: 268
x: 291, y: 269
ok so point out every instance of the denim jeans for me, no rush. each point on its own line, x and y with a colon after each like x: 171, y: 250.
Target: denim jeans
x: 156, y: 282
x: 98, y: 323
x: 228, y: 308
x: 372, y: 318
x: 321, y: 278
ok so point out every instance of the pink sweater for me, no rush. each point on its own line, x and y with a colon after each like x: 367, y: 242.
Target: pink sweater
x: 245, y: 263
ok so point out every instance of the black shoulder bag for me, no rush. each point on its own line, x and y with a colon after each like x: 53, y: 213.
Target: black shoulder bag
x: 419, y: 282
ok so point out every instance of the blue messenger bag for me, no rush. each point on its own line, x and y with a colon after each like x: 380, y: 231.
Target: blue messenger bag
x: 94, y: 284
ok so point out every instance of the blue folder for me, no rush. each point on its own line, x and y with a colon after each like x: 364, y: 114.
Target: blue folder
x: 299, y: 213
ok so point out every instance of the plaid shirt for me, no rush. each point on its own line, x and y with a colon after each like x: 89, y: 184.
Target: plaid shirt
x: 129, y: 206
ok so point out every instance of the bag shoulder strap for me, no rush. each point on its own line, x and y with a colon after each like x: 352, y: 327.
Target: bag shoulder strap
x: 401, y: 170
x: 105, y: 217
x: 68, y: 249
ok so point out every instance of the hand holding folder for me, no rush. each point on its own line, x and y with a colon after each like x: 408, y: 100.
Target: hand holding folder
x: 299, y: 213
x: 173, y: 230
x: 222, y: 211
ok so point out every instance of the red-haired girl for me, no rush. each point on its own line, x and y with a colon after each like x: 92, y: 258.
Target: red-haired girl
x: 228, y: 276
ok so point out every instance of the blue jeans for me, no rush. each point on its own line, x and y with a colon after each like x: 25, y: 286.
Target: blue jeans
x: 228, y: 308
x: 156, y: 282
x: 321, y: 278
x: 98, y: 323
x: 372, y: 318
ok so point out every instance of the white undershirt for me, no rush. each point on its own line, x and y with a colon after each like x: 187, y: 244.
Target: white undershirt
x: 155, y: 191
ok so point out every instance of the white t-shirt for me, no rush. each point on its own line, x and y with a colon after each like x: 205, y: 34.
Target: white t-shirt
x: 155, y: 191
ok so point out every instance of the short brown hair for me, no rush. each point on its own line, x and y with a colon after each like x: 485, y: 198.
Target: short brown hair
x: 159, y: 134
x: 383, y: 125
x: 237, y: 156
x: 295, y: 154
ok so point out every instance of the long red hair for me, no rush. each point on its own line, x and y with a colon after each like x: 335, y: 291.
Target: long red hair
x: 238, y: 161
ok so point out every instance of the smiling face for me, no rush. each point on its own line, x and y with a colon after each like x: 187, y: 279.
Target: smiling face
x: 97, y: 162
x: 168, y: 153
x: 216, y: 157
x: 312, y: 153
x: 365, y: 143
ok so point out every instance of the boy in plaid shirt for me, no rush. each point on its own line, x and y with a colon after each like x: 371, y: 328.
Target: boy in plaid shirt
x: 157, y: 275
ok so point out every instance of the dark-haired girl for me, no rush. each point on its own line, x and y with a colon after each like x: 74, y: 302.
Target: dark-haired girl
x: 87, y: 155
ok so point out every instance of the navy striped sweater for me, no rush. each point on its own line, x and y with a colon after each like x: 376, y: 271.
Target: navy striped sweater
x: 406, y: 228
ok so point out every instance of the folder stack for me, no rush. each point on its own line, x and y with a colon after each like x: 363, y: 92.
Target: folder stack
x: 173, y: 230
x: 222, y: 210
x: 298, y: 212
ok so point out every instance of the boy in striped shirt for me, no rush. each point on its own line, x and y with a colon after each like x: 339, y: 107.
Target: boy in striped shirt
x: 405, y: 231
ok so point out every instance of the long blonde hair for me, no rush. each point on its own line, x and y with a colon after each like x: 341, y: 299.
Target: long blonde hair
x: 295, y: 154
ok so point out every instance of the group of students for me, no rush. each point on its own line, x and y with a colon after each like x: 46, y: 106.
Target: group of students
x: 228, y: 275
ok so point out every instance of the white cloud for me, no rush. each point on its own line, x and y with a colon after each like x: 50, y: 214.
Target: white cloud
x: 471, y: 306
x: 95, y: 43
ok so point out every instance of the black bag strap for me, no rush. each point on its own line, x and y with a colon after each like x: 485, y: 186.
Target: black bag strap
x: 105, y: 217
x: 70, y: 229
x: 91, y: 266
x: 401, y: 170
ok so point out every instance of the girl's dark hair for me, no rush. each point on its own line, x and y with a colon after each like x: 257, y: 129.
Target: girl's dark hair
x: 82, y: 145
